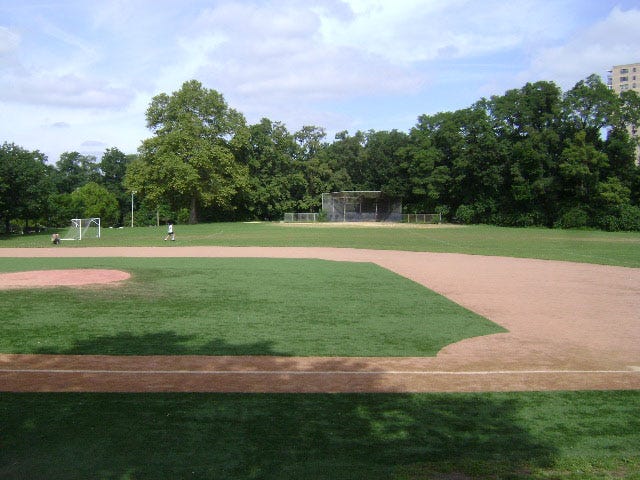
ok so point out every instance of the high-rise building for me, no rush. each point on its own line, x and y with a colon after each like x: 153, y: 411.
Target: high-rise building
x: 622, y: 78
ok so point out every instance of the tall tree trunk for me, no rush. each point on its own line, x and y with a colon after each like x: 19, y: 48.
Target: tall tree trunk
x: 193, y: 212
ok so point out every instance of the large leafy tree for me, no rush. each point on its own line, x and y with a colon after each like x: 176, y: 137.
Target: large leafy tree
x: 580, y: 169
x: 323, y: 172
x: 93, y: 200
x: 527, y: 120
x: 113, y: 167
x: 428, y: 170
x: 74, y: 170
x: 25, y: 185
x: 190, y: 162
x: 590, y: 106
x: 383, y: 158
x: 277, y: 186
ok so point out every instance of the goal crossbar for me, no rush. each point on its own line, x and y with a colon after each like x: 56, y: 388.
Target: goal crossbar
x: 83, y: 228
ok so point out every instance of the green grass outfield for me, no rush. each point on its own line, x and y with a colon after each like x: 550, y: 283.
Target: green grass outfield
x: 572, y: 245
x: 566, y: 435
x: 578, y: 435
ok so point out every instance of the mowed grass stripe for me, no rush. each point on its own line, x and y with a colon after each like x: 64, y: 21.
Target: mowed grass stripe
x: 237, y: 306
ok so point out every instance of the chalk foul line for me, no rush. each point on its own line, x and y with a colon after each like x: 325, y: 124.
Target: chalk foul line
x: 314, y: 372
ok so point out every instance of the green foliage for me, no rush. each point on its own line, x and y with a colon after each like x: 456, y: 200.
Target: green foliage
x: 465, y: 214
x: 524, y: 158
x: 579, y: 167
x: 113, y: 167
x: 93, y: 200
x: 590, y: 105
x: 576, y: 217
x: 277, y: 181
x: 190, y: 162
x: 622, y: 218
x: 25, y: 185
x: 73, y: 170
x: 612, y: 193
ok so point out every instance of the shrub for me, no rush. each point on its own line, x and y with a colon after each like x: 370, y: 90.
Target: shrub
x: 465, y: 214
x: 574, y: 218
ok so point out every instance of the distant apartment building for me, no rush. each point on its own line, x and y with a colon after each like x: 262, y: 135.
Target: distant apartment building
x: 622, y: 78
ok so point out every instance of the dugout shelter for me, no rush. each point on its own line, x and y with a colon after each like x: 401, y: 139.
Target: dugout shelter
x: 361, y: 206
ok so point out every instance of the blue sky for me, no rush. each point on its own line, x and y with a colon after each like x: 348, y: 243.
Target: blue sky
x: 78, y: 75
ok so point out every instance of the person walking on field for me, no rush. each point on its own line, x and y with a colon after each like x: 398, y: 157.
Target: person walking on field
x: 170, y: 233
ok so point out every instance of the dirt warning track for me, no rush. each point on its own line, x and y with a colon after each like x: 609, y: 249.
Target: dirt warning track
x: 571, y: 327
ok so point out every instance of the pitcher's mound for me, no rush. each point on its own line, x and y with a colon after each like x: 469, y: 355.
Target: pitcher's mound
x: 58, y: 278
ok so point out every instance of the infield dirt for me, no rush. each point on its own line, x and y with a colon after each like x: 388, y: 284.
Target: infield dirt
x: 571, y: 327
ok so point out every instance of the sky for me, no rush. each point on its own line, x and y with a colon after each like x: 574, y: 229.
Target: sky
x: 78, y: 75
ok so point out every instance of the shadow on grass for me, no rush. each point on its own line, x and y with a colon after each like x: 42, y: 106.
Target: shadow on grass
x: 270, y: 436
x: 267, y: 436
x: 161, y: 343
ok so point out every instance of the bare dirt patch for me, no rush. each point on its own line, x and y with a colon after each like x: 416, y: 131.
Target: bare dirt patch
x: 58, y: 278
x: 571, y: 327
x: 369, y: 225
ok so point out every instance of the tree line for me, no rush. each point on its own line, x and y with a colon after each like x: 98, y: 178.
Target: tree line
x: 534, y: 156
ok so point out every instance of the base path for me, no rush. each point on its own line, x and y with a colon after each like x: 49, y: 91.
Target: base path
x: 571, y: 327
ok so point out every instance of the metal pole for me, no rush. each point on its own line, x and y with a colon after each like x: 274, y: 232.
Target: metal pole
x: 132, y: 192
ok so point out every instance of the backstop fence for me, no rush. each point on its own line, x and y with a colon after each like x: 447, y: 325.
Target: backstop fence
x: 361, y: 206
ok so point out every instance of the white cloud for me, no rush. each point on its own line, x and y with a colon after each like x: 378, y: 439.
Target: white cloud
x: 273, y: 59
x: 9, y: 41
x: 86, y: 71
x: 69, y: 91
x: 612, y: 41
x: 418, y: 30
x: 93, y: 144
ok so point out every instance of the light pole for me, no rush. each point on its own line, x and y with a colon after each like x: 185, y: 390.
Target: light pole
x: 132, y: 192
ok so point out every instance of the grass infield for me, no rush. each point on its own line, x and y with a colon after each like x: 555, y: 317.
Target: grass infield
x: 233, y: 306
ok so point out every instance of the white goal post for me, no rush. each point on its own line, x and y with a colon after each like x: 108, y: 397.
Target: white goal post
x: 83, y: 228
x: 300, y: 217
x: 422, y: 218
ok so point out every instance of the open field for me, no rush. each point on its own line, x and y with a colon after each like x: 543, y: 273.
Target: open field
x: 604, y: 248
x: 580, y: 434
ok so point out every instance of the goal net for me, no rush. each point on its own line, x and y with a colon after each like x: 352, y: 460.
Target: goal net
x: 83, y: 228
x: 422, y: 218
x: 300, y: 217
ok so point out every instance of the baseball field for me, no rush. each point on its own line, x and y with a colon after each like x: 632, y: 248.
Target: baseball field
x: 311, y: 351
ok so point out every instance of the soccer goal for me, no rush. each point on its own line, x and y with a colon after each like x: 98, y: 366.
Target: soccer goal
x: 83, y: 228
x: 300, y: 217
x: 422, y: 218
